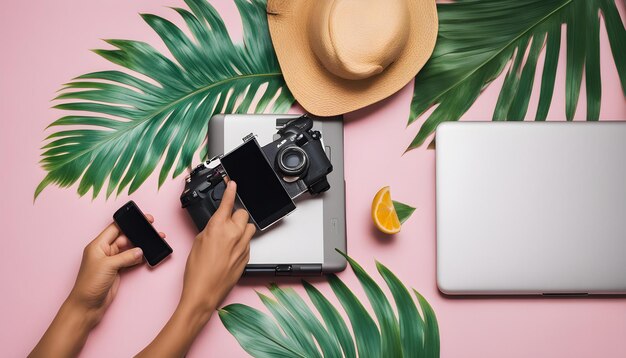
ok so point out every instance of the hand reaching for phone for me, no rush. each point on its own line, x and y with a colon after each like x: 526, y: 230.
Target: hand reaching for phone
x: 218, y: 256
x: 216, y: 262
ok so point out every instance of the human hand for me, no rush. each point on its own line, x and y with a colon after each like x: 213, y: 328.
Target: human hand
x: 218, y: 256
x: 216, y: 261
x: 96, y: 285
x: 98, y: 278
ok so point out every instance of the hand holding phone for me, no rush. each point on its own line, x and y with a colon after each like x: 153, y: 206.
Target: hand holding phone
x: 95, y: 288
x: 134, y: 224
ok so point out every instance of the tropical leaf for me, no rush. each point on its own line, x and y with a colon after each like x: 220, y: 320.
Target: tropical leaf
x: 257, y: 333
x: 479, y: 39
x: 404, y: 211
x: 124, y: 123
x: 297, y: 331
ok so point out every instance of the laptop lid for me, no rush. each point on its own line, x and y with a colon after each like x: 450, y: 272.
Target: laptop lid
x: 531, y: 208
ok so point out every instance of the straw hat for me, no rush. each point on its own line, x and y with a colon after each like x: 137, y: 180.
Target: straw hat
x: 341, y: 55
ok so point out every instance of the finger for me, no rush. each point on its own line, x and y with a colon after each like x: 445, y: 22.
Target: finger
x: 242, y: 247
x: 248, y: 232
x: 109, y: 234
x: 162, y: 235
x: 243, y: 260
x: 150, y: 218
x: 240, y: 217
x: 246, y: 256
x: 244, y: 242
x: 127, y: 258
x: 122, y: 243
x: 228, y: 200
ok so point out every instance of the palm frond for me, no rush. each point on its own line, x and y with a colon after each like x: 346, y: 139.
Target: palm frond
x: 127, y: 122
x: 479, y: 39
x: 295, y: 329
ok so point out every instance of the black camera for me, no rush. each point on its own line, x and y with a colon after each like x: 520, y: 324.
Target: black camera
x: 297, y: 156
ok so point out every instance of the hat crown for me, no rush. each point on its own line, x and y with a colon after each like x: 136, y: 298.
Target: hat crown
x: 357, y: 39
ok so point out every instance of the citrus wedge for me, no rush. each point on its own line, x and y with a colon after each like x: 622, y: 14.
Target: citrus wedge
x: 383, y: 212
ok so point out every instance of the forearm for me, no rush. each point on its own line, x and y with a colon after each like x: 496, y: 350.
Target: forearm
x: 67, y: 333
x: 181, y: 330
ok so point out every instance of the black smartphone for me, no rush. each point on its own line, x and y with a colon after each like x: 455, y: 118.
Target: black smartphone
x: 134, y: 224
x: 258, y: 187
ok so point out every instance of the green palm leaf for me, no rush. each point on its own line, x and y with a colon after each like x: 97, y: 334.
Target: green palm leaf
x: 405, y: 334
x: 257, y: 333
x: 479, y: 39
x: 404, y: 211
x: 125, y: 123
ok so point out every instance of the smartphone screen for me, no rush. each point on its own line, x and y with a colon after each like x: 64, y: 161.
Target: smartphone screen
x: 133, y: 223
x: 258, y: 186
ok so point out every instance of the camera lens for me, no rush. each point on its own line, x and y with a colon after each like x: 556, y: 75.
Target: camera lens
x: 292, y: 161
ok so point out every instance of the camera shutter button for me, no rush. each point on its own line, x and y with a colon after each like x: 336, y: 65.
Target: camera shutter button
x: 300, y: 140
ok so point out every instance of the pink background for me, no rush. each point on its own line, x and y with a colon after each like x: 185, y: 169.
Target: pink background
x: 45, y: 44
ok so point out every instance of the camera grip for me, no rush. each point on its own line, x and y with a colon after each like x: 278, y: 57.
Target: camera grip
x: 202, y: 210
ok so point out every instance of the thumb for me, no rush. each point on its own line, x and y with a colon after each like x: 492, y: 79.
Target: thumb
x: 225, y: 210
x: 127, y: 258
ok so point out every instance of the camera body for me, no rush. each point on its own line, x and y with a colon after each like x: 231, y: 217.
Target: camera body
x: 296, y: 155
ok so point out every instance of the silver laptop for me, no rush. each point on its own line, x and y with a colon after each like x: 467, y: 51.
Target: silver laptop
x: 304, y: 242
x: 531, y: 208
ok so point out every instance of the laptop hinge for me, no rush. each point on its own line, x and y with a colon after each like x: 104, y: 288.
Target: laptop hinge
x: 252, y: 270
x: 284, y: 270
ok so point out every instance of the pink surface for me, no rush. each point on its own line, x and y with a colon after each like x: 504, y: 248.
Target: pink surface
x: 45, y: 44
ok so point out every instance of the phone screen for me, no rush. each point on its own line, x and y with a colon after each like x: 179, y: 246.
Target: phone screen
x: 133, y: 223
x: 258, y: 186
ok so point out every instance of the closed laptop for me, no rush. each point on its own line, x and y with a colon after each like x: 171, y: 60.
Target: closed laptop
x: 531, y: 208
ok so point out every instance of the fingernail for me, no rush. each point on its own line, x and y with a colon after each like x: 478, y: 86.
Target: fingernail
x: 138, y: 253
x: 231, y: 183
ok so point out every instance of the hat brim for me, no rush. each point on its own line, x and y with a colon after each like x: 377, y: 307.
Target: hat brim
x: 324, y: 94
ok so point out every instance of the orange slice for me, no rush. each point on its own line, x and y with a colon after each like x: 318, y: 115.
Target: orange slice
x: 383, y: 212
